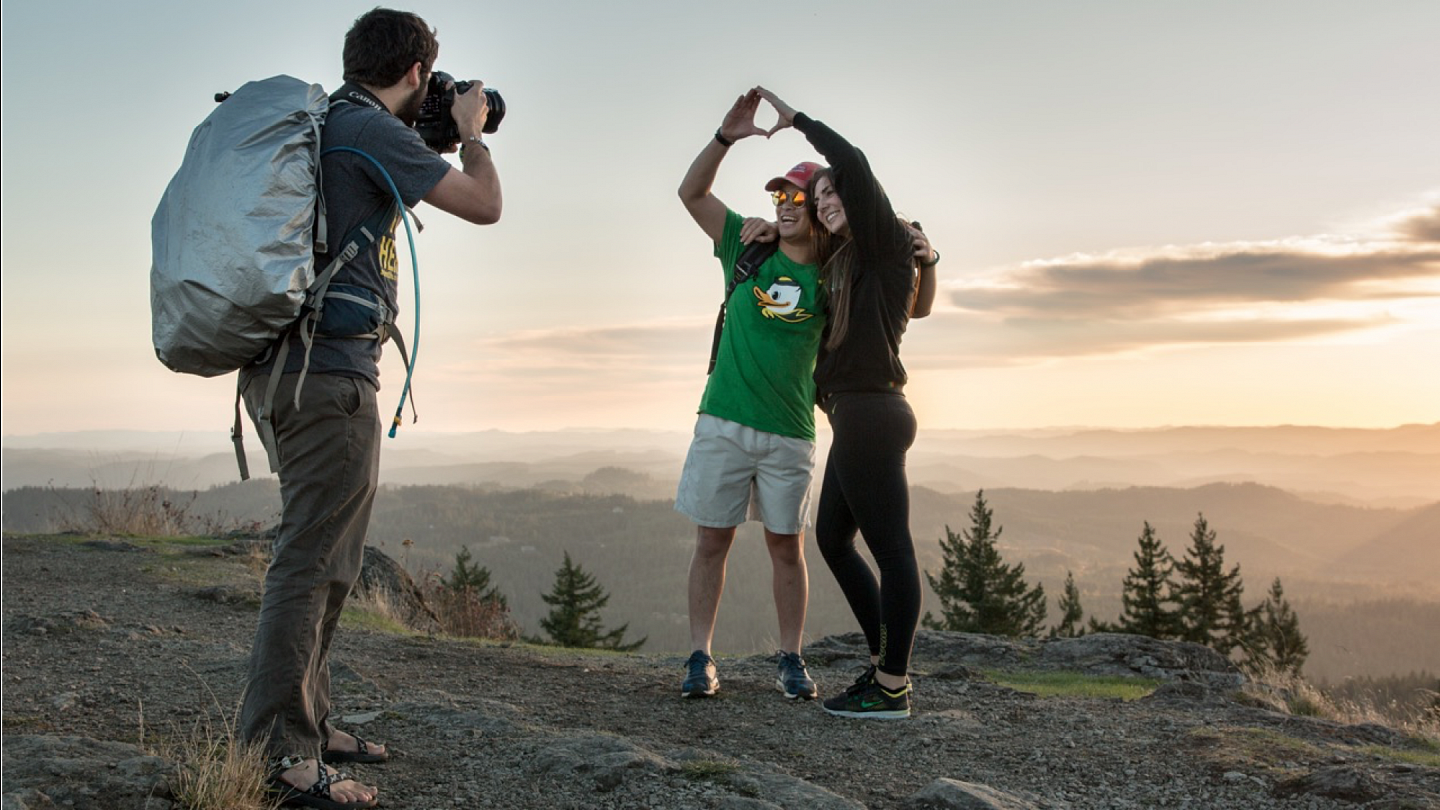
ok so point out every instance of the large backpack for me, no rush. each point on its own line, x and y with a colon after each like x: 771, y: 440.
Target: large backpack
x: 234, y: 240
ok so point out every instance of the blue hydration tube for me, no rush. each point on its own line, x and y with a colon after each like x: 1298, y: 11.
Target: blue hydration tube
x: 415, y: 271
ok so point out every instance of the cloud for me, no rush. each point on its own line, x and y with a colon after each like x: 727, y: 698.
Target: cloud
x: 1422, y: 225
x: 658, y: 343
x: 1298, y: 289
x: 1301, y: 288
x: 1177, y: 280
x: 632, y: 356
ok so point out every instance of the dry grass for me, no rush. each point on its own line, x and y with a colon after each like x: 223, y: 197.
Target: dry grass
x: 145, y: 510
x: 1292, y: 694
x: 374, y: 610
x: 214, y: 769
x: 465, y: 613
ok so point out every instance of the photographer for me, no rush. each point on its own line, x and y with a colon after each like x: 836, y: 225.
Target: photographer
x: 329, y: 447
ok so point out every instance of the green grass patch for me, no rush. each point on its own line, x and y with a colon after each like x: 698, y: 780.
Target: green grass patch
x: 183, y: 542
x: 198, y: 572
x: 554, y: 650
x: 356, y: 618
x: 69, y: 538
x: 26, y: 723
x: 1425, y: 758
x: 1074, y: 684
x: 1257, y: 746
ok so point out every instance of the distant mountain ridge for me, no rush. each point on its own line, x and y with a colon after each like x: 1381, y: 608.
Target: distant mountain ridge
x: 1376, y: 467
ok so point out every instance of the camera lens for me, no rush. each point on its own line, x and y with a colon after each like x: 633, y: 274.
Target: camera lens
x: 497, y: 110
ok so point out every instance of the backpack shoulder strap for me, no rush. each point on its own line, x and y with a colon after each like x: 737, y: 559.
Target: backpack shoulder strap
x: 360, y: 238
x: 746, y: 266
x: 754, y: 255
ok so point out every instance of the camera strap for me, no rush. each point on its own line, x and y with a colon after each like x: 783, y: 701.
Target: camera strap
x: 746, y: 266
x: 355, y: 94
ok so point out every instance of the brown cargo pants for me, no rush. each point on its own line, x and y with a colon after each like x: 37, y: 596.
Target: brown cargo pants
x: 329, y: 455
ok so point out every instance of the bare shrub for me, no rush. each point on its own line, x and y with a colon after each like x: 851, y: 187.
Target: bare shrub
x: 1293, y: 694
x: 149, y: 511
x: 143, y: 510
x: 467, y: 613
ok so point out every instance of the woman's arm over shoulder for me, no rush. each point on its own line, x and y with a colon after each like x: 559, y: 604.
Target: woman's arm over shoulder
x: 867, y: 207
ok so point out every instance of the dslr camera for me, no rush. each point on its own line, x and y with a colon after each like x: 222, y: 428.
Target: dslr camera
x: 435, y: 123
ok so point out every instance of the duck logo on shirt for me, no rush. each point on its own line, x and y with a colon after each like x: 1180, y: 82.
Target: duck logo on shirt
x: 782, y: 301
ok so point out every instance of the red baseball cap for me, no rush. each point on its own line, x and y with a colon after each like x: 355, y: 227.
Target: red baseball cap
x: 800, y: 176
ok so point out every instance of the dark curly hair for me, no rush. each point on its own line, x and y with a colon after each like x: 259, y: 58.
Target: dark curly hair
x: 384, y: 43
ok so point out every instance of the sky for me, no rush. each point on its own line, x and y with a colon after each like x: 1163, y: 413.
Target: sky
x: 1219, y: 213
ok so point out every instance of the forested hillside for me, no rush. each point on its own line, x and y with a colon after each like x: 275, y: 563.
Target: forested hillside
x: 1364, y: 581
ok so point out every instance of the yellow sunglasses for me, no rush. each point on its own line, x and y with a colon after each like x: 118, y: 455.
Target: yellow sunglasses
x: 781, y: 197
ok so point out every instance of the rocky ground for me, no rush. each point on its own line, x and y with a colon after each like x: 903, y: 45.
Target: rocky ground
x: 112, y: 645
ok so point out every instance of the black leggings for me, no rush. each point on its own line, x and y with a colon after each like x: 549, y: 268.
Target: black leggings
x: 865, y: 489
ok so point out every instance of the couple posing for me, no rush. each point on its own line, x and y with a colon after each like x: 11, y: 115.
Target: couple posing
x: 820, y: 322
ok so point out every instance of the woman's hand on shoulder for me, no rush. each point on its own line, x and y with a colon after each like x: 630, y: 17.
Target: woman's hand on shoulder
x: 924, y: 253
x: 785, y: 111
x: 758, y: 229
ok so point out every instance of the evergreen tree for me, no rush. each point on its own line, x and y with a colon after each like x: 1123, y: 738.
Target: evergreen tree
x: 574, y: 619
x: 1097, y: 626
x: 978, y: 592
x: 1209, y: 598
x: 467, y: 576
x: 1278, y: 642
x: 1147, y: 590
x: 1070, y: 610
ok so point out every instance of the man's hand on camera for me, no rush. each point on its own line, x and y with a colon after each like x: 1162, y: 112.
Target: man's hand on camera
x: 470, y: 111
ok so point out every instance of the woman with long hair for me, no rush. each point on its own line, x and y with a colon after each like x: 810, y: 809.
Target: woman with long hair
x: 878, y: 273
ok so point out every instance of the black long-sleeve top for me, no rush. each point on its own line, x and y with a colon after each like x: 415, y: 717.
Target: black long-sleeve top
x: 882, y: 280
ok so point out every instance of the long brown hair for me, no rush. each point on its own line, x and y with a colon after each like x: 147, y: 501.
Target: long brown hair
x: 835, y: 253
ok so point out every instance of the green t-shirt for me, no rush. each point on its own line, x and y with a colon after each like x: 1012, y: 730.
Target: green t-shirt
x: 764, y: 371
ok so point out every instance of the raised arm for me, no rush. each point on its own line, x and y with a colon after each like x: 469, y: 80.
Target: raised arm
x: 473, y: 192
x: 705, y: 208
x: 867, y: 209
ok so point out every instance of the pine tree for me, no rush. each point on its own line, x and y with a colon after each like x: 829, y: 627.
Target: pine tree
x: 1147, y: 590
x: 1278, y: 643
x: 466, y: 575
x: 978, y: 592
x: 1209, y: 598
x: 574, y: 619
x: 1071, y: 612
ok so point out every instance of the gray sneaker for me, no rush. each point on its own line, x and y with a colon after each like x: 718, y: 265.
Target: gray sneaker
x: 792, y: 679
x: 700, y: 680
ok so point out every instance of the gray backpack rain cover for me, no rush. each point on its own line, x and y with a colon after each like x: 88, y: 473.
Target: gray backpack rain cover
x: 233, y: 240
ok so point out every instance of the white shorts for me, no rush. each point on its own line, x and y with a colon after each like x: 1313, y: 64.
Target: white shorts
x: 733, y: 471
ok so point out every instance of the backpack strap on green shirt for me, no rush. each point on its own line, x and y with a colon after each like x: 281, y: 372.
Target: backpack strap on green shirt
x: 746, y: 266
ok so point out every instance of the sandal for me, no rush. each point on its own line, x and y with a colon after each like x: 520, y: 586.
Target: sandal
x: 360, y: 756
x: 317, y: 795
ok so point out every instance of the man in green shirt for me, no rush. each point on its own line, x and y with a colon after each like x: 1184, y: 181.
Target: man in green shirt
x: 753, y: 453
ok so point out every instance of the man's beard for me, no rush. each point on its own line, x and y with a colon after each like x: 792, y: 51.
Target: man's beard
x: 410, y: 108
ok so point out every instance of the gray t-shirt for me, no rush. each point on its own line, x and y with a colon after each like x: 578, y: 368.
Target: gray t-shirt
x: 355, y: 190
